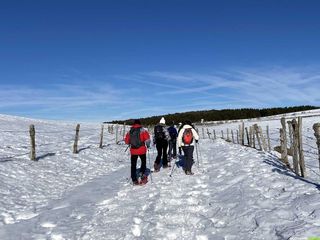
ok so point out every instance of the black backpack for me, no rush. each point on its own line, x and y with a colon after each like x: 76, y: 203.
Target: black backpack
x: 159, y: 133
x: 135, y: 141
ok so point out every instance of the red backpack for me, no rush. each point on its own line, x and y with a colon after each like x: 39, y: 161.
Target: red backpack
x: 187, y: 136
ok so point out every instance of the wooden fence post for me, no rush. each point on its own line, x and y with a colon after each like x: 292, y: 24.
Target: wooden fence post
x: 290, y: 137
x: 101, y: 136
x: 284, y: 153
x: 203, y: 133
x: 124, y: 130
x: 232, y: 136
x: 238, y: 137
x: 253, y: 138
x: 228, y: 138
x: 33, y: 142
x: 295, y: 156
x: 316, y: 128
x: 248, y: 137
x: 242, y: 134
x: 76, y: 139
x: 222, y: 134
x: 301, y: 154
x: 256, y: 129
x: 208, y: 132
x: 268, y: 137
x: 264, y: 144
x: 117, y: 132
x: 214, y: 134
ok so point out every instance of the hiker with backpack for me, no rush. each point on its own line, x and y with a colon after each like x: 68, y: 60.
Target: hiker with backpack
x: 138, y: 139
x: 161, y: 138
x: 172, y: 142
x: 187, y: 137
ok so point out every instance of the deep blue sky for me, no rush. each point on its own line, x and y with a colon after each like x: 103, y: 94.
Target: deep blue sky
x: 103, y: 60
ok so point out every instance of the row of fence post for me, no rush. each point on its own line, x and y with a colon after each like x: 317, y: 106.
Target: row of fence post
x: 254, y: 134
x: 32, y: 132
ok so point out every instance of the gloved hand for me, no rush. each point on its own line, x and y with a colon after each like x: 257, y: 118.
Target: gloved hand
x: 180, y: 151
x: 196, y: 141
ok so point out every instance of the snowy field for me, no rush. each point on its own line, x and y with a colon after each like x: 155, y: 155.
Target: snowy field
x: 236, y: 193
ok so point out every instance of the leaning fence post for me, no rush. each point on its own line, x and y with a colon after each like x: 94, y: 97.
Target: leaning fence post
x: 256, y: 129
x: 284, y: 153
x: 301, y: 154
x: 248, y: 137
x: 295, y: 156
x: 316, y: 128
x: 33, y: 142
x: 101, y: 136
x: 76, y: 139
x: 295, y: 146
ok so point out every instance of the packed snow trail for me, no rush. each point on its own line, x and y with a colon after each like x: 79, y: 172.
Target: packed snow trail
x: 237, y: 193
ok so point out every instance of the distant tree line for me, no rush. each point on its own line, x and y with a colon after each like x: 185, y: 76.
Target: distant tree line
x: 219, y: 115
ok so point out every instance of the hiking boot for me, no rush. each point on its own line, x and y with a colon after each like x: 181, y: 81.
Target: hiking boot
x: 165, y: 166
x: 136, y: 182
x: 156, y: 167
x: 189, y: 173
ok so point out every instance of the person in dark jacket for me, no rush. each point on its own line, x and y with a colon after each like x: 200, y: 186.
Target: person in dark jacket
x: 139, y: 139
x: 161, y: 138
x: 173, y: 142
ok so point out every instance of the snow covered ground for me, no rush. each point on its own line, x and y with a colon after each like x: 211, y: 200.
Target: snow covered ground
x: 236, y: 193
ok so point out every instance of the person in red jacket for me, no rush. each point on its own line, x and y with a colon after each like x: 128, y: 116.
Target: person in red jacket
x: 139, y: 139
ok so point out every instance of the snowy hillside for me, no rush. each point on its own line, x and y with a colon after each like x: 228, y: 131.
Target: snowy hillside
x: 236, y: 193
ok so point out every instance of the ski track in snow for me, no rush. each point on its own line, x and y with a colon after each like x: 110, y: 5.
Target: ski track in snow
x: 236, y: 193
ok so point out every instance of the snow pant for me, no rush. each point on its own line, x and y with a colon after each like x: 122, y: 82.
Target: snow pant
x: 143, y: 167
x: 162, y: 146
x: 172, y: 148
x: 188, y: 157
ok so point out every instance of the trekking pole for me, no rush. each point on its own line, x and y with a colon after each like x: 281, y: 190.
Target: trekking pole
x: 150, y: 166
x: 127, y: 148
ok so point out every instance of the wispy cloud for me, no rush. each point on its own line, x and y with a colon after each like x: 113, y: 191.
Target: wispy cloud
x: 155, y: 93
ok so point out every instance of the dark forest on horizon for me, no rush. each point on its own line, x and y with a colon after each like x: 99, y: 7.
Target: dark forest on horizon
x: 218, y: 115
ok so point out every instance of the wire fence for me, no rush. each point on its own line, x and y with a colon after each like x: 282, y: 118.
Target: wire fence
x: 269, y: 139
x: 50, y: 142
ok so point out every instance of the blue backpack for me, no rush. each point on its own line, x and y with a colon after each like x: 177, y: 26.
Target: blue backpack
x: 173, y: 132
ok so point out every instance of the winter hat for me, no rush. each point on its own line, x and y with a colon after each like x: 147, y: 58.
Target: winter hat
x: 163, y: 121
x: 137, y: 121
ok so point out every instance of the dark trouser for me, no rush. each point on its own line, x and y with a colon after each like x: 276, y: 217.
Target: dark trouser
x: 188, y: 155
x: 134, y: 159
x: 162, y: 146
x: 172, y: 148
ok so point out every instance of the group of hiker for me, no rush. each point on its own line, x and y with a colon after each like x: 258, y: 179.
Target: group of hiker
x: 166, y: 140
